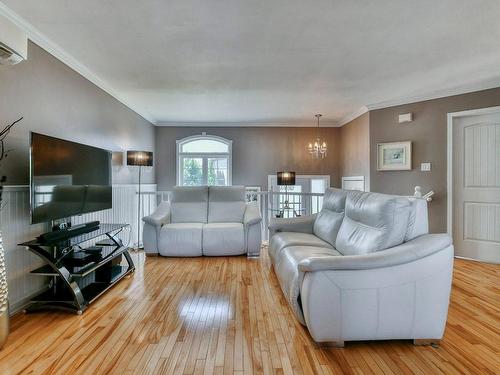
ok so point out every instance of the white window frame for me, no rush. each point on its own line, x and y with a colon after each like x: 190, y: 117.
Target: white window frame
x: 181, y: 155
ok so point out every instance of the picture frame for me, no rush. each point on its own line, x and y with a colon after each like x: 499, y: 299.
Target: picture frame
x: 394, y: 156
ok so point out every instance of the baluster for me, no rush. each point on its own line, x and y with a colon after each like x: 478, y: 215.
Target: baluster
x: 267, y: 216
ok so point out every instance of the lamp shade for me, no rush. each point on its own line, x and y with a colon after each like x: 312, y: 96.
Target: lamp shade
x: 286, y: 178
x: 140, y: 158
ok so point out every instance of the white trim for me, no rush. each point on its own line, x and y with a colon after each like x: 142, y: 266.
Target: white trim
x: 250, y: 124
x: 179, y: 155
x: 59, y: 53
x: 449, y: 165
x: 437, y: 94
x: 473, y: 259
x: 353, y: 116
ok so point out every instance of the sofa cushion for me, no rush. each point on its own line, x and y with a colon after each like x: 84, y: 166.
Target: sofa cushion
x: 282, y: 240
x: 180, y: 240
x: 226, y: 204
x: 223, y: 239
x: 189, y: 204
x: 418, y: 221
x: 328, y: 222
x: 289, y: 276
x: 372, y: 222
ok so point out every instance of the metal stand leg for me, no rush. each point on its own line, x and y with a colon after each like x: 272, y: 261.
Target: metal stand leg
x: 139, y: 212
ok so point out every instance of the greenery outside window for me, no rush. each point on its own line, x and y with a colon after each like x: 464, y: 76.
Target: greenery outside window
x: 204, y: 160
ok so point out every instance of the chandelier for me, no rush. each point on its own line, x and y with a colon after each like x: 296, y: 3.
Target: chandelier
x: 317, y: 149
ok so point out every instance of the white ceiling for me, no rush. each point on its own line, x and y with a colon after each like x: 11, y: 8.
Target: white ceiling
x: 271, y: 61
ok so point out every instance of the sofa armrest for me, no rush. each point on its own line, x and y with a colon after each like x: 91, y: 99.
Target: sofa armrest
x: 160, y: 216
x: 253, y: 234
x: 252, y: 214
x: 302, y: 224
x: 415, y: 249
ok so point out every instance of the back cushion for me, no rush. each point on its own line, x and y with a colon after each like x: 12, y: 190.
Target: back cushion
x: 418, y: 222
x: 372, y: 222
x: 189, y: 204
x: 226, y: 204
x: 328, y: 222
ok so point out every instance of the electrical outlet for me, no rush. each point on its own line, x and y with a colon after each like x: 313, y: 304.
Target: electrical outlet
x: 425, y: 167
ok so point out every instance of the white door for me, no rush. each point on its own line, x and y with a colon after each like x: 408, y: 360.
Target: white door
x: 476, y: 186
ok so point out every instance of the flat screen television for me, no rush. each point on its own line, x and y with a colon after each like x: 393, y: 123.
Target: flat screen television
x: 67, y: 178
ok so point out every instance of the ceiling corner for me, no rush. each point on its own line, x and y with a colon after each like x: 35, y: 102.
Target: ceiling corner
x: 55, y: 50
x: 352, y: 116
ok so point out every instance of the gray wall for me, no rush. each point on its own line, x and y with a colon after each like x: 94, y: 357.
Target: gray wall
x: 355, y: 148
x: 428, y: 132
x: 257, y: 152
x: 57, y: 101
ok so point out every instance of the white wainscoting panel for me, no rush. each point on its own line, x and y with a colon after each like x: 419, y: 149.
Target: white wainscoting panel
x: 16, y: 228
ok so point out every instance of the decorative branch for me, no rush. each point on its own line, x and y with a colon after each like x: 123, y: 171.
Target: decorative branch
x: 3, y: 134
x: 4, y: 152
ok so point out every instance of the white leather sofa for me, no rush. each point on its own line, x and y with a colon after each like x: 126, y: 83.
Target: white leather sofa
x: 364, y: 268
x: 202, y: 220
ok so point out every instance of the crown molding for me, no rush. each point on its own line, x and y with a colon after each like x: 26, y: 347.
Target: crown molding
x: 55, y: 50
x: 354, y: 115
x: 249, y: 124
x: 438, y: 94
x: 431, y: 95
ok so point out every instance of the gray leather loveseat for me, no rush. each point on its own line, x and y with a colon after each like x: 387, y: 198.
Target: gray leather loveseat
x: 364, y: 268
x: 202, y: 220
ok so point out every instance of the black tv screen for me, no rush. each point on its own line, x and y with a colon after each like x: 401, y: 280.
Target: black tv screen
x: 67, y: 178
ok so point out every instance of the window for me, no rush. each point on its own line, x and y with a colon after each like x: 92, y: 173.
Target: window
x: 204, y: 160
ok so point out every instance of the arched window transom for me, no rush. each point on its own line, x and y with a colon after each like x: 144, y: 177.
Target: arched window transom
x: 204, y: 160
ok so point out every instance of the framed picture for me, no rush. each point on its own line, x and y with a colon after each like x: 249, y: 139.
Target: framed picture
x: 394, y: 156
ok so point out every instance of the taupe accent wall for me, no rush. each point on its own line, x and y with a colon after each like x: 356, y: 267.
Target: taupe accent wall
x: 355, y: 149
x: 257, y: 152
x: 57, y: 101
x: 428, y: 131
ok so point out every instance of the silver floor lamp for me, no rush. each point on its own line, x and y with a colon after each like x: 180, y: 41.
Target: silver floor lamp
x: 139, y: 159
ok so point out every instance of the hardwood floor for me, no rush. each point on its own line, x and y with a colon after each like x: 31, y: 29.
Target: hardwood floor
x: 228, y: 316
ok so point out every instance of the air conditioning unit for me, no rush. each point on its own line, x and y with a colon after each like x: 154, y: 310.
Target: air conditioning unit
x: 13, y: 43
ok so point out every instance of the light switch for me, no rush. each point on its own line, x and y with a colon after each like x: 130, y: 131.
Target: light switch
x: 425, y: 167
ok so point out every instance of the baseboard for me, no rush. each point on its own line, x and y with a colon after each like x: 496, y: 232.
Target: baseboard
x: 475, y: 260
x: 21, y: 304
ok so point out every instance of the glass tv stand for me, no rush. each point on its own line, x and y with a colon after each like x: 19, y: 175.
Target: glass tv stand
x: 81, y: 268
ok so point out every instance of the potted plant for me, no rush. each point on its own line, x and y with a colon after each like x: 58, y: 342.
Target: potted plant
x: 4, y: 303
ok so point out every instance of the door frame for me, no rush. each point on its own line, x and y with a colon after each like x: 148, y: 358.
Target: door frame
x: 452, y: 116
